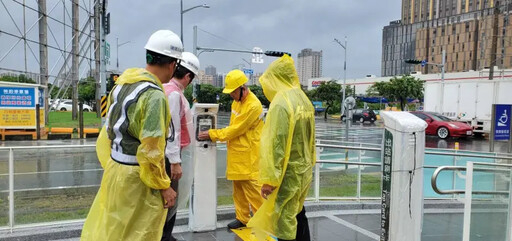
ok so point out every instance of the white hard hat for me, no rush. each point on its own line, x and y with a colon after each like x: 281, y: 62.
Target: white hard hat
x: 165, y: 42
x: 191, y: 62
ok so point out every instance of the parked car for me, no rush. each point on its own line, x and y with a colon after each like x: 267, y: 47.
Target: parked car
x: 66, y: 105
x: 442, y: 126
x: 362, y: 115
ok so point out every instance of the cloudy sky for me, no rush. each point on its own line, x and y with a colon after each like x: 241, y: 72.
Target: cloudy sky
x: 287, y: 25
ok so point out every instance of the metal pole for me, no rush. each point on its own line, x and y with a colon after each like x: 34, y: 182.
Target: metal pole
x: 347, y: 115
x: 181, y: 14
x: 25, y: 36
x: 194, y: 94
x: 81, y: 119
x: 38, y: 122
x: 359, y: 174
x: 103, y: 63
x: 493, y: 128
x: 11, y: 189
x: 74, y: 59
x: 195, y: 41
x: 317, y: 174
x: 442, y: 81
x: 510, y: 144
x: 43, y: 53
x: 117, y: 54
x: 97, y: 47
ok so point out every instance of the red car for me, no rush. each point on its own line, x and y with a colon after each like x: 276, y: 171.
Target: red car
x: 442, y: 126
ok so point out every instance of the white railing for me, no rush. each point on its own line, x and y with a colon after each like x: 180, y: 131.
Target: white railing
x: 339, y: 150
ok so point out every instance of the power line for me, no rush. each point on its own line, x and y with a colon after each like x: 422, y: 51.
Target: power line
x: 36, y: 42
x: 46, y: 15
x: 225, y: 39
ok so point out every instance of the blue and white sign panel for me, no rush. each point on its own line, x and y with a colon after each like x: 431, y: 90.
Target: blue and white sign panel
x: 502, y: 123
x: 16, y: 97
x: 248, y: 71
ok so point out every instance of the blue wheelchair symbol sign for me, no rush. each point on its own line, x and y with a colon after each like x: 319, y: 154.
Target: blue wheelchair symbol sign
x: 502, y: 123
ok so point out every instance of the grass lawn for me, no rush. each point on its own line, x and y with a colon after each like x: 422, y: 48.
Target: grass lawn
x: 63, y: 119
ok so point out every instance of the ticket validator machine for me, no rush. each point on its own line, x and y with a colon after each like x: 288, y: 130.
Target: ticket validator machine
x: 403, y: 152
x: 203, y: 198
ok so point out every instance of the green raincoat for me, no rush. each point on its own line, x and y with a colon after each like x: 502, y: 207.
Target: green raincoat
x: 287, y: 151
x: 130, y: 148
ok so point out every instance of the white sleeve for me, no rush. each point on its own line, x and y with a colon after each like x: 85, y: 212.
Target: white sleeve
x: 173, y: 148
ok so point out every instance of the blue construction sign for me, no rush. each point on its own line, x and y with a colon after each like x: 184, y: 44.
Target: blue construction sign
x: 502, y: 122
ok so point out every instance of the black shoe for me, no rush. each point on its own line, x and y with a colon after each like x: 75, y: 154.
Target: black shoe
x: 236, y: 224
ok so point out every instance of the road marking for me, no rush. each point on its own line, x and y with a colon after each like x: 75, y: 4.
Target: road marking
x: 354, y: 227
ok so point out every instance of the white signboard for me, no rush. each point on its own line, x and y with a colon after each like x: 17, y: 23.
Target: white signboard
x: 257, y: 58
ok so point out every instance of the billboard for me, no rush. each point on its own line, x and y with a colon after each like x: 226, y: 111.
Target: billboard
x: 18, y: 106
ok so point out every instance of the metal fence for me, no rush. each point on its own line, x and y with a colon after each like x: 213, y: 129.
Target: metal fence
x: 52, y: 184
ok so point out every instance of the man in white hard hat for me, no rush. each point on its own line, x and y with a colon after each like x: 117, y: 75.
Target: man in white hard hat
x: 182, y: 126
x: 135, y: 191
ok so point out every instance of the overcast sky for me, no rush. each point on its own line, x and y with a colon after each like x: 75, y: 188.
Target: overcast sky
x: 283, y: 25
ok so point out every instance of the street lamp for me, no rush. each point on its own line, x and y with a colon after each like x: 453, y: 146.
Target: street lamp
x: 117, y: 52
x: 344, y: 46
x: 186, y: 10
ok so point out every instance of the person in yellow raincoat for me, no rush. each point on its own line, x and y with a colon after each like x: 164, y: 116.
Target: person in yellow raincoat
x: 135, y: 189
x: 243, y: 137
x: 287, y: 154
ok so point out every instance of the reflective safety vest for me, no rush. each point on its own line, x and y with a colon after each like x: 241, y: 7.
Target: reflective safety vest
x: 124, y: 145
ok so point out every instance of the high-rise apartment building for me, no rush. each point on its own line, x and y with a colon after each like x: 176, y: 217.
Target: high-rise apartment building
x: 210, y: 70
x: 474, y: 33
x: 309, y: 65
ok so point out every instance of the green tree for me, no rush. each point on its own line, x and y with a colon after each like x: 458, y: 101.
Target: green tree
x: 87, y: 89
x: 208, y: 94
x: 328, y: 92
x: 258, y: 91
x: 188, y: 94
x: 400, y: 89
x: 20, y: 79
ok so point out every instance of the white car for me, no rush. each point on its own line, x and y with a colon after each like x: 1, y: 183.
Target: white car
x: 66, y: 105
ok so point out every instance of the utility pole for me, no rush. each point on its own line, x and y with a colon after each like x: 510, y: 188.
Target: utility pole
x: 43, y: 54
x: 103, y: 62
x: 74, y: 59
x: 97, y: 47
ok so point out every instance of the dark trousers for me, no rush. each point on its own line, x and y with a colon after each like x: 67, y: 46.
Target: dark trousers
x: 170, y: 220
x: 302, y: 227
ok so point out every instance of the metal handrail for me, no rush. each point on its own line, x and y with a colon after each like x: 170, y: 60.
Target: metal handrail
x: 433, y: 181
x: 358, y: 148
x: 6, y: 148
x: 467, y: 155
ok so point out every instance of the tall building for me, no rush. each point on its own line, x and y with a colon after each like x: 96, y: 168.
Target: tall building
x: 474, y: 33
x: 211, y: 70
x: 309, y: 65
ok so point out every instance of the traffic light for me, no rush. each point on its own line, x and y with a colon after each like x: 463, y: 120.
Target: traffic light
x: 413, y: 61
x: 276, y: 53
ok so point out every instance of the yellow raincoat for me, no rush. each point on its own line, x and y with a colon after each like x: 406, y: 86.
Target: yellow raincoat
x: 243, y: 137
x: 287, y: 151
x: 129, y: 205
